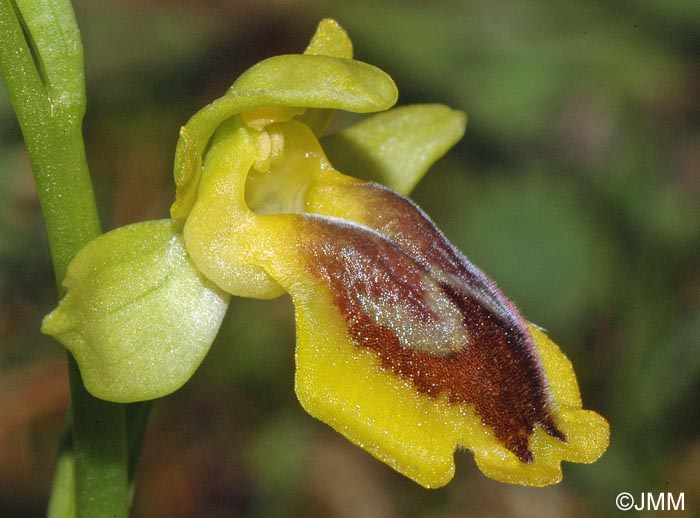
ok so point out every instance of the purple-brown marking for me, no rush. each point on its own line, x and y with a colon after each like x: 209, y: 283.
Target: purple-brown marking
x: 401, y: 265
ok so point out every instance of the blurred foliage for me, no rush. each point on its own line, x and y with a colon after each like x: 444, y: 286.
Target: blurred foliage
x: 577, y: 187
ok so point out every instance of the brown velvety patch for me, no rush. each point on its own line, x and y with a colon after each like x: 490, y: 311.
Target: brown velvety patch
x: 387, y: 288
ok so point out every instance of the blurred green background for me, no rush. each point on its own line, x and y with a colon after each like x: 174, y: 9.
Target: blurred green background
x: 576, y: 187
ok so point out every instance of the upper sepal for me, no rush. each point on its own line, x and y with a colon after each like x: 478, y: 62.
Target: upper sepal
x: 298, y: 81
x: 293, y: 83
x: 330, y: 39
x: 138, y: 317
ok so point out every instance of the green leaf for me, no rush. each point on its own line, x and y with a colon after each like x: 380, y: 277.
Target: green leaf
x: 138, y: 317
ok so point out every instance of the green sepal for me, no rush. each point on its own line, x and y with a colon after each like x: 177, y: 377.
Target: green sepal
x: 330, y: 39
x: 396, y: 148
x: 291, y: 81
x: 138, y: 316
x: 299, y: 80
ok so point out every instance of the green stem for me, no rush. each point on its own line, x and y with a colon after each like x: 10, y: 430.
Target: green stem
x: 41, y: 63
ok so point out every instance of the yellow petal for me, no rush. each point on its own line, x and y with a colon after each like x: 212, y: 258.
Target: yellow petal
x: 395, y: 148
x: 188, y: 168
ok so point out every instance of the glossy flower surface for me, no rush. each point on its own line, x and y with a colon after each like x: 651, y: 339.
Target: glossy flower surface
x: 403, y: 345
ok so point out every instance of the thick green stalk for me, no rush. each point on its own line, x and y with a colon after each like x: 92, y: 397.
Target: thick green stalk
x: 41, y: 63
x: 41, y: 60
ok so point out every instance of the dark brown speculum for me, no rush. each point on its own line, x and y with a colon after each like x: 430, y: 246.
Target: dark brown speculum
x: 394, y: 286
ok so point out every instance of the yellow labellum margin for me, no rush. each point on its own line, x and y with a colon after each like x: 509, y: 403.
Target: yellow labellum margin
x: 403, y: 345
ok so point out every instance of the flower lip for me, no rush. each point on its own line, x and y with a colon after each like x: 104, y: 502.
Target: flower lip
x: 476, y: 349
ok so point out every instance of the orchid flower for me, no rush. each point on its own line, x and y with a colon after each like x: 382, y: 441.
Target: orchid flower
x: 403, y: 345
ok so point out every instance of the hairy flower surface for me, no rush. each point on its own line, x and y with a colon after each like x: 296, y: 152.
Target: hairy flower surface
x: 403, y: 345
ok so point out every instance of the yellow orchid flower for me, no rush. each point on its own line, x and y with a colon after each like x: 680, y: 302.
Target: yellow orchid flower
x: 403, y: 345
